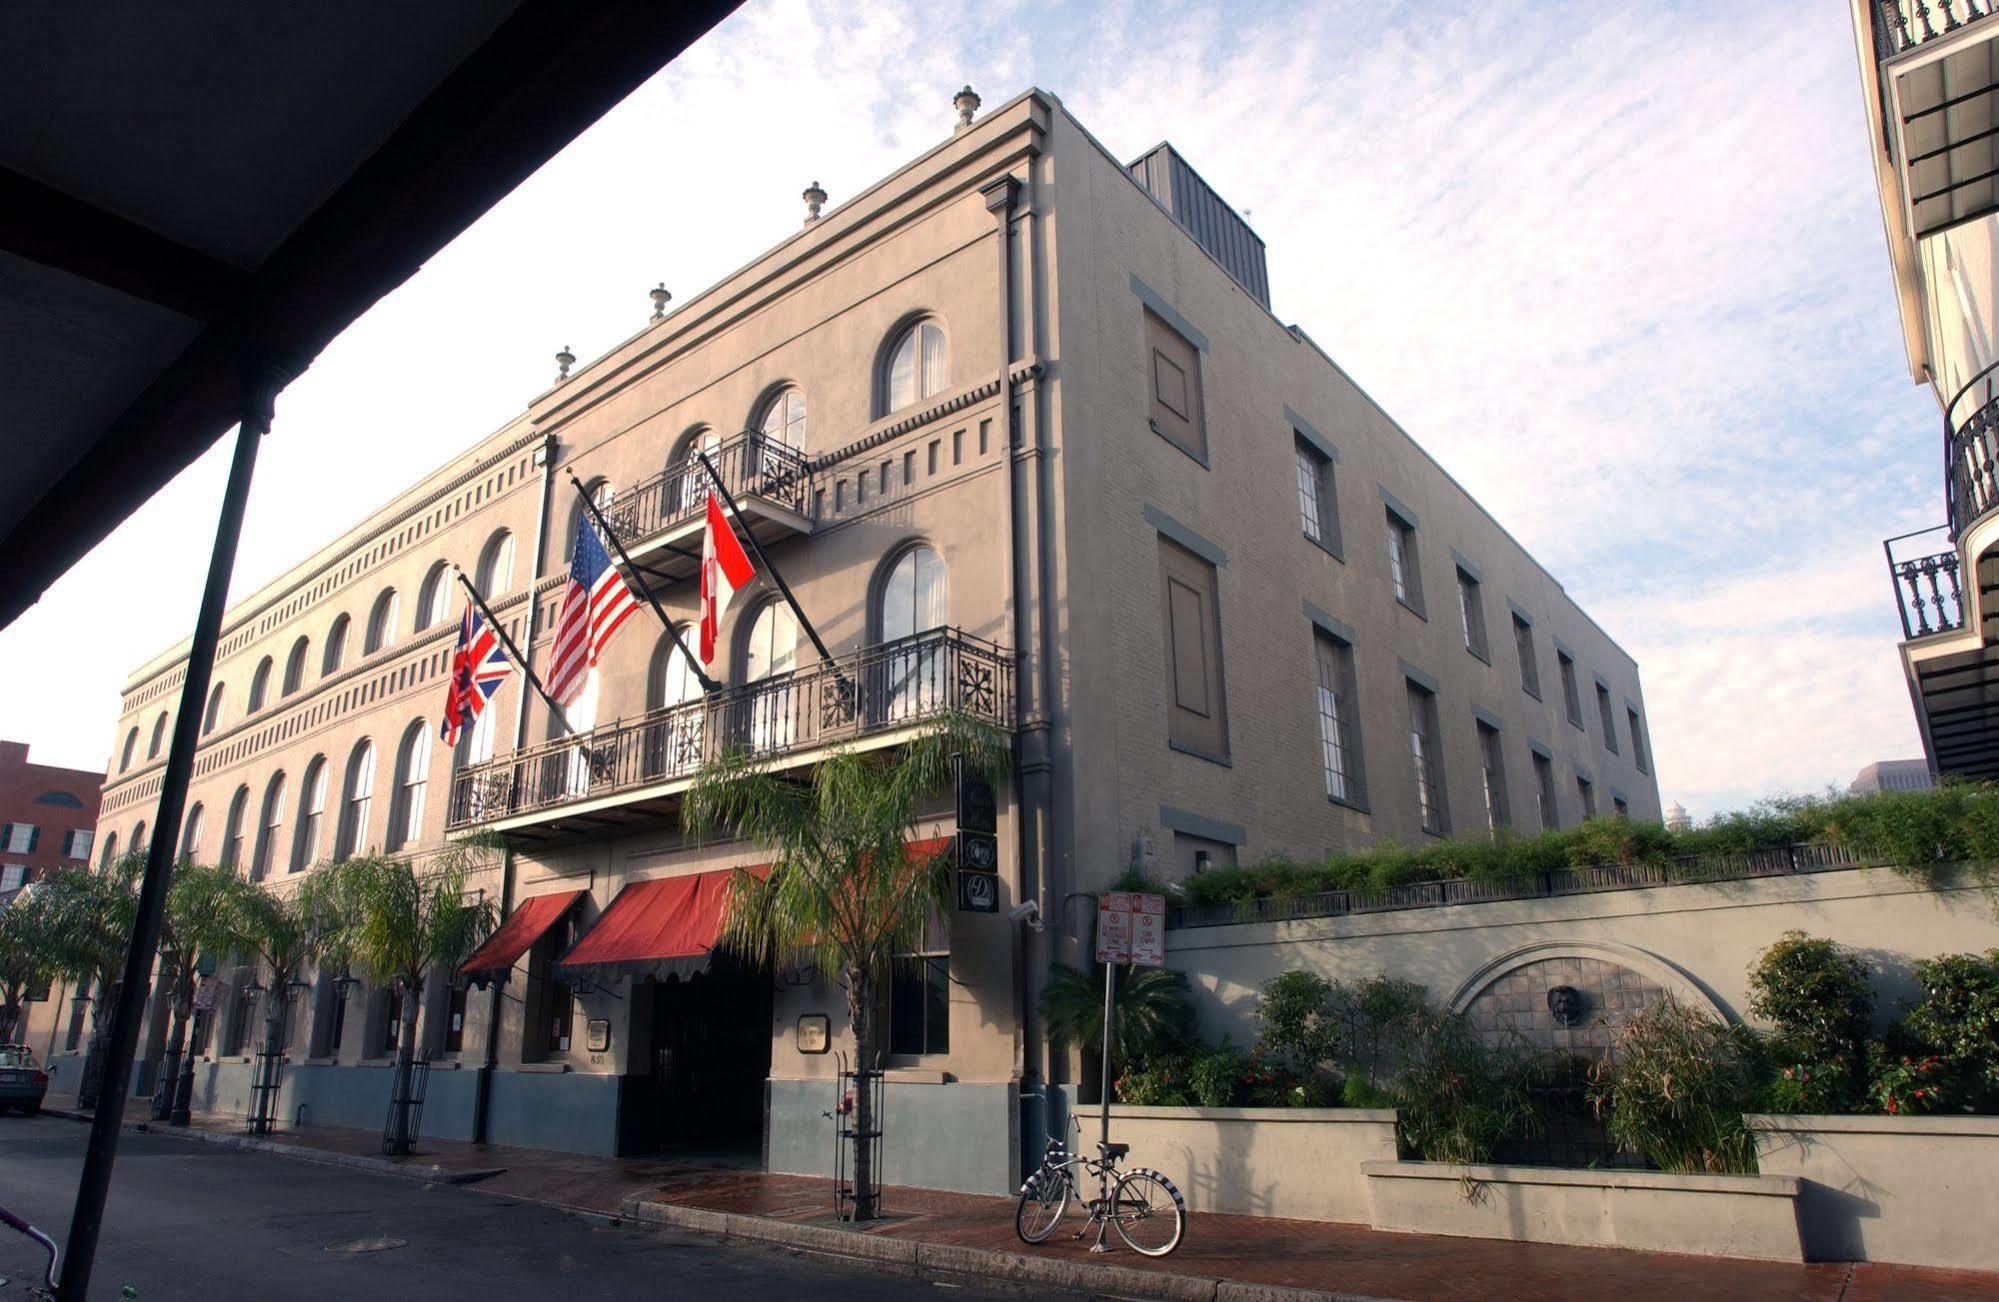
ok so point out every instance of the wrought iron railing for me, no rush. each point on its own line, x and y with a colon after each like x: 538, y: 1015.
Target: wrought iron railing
x: 1971, y: 451
x: 1783, y: 861
x: 1904, y: 24
x: 874, y: 691
x: 751, y: 465
x: 1926, y: 583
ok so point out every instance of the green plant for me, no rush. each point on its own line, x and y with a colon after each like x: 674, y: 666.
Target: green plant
x: 1907, y: 1084
x: 30, y: 957
x: 1297, y: 1026
x: 1830, y: 1087
x: 1378, y: 1016
x: 843, y: 889
x: 1360, y: 1092
x: 1957, y: 1019
x: 1681, y: 1082
x: 1816, y: 995
x: 1221, y: 1077
x: 1456, y: 1099
x: 1160, y: 1082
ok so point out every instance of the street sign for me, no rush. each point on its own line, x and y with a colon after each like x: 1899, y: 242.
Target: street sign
x: 978, y: 892
x: 1131, y: 928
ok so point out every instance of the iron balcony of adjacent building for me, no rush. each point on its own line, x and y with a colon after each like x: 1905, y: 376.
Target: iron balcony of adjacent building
x: 1971, y: 449
x: 1940, y: 107
x: 659, y: 520
x: 636, y: 769
x: 1926, y: 583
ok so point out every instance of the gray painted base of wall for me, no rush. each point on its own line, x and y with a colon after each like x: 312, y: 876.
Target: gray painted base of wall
x: 954, y: 1136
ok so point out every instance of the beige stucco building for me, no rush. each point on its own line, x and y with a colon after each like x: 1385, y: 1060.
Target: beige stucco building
x: 1021, y: 431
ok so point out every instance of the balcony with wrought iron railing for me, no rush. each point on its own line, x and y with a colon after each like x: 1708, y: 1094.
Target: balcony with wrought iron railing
x: 1926, y: 582
x: 771, y: 482
x: 1901, y: 25
x: 867, y: 696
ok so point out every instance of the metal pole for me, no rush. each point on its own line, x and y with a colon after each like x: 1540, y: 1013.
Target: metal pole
x: 707, y: 683
x: 260, y: 392
x: 1104, y: 1100
x: 499, y: 631
x: 784, y: 588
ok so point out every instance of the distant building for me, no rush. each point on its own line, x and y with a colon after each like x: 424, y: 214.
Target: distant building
x: 1677, y: 819
x: 1892, y: 775
x: 47, y: 816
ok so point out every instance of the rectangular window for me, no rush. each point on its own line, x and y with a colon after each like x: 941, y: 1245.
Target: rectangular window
x: 454, y: 1018
x: 1402, y: 563
x: 1544, y: 792
x: 1571, y: 694
x: 1318, y: 511
x: 1492, y: 770
x: 79, y: 1004
x: 18, y: 838
x: 1608, y: 717
x: 1638, y: 755
x: 1197, y: 718
x: 919, y: 1005
x: 12, y: 876
x: 1175, y: 371
x: 392, y: 1023
x: 1471, y: 615
x: 338, y: 1030
x: 1339, y: 722
x: 1530, y: 667
x: 1622, y: 809
x: 1428, y: 758
x: 1587, y: 790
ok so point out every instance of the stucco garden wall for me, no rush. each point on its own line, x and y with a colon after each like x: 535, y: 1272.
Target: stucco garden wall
x: 1299, y: 1163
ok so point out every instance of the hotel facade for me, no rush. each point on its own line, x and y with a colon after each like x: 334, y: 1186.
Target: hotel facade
x: 1021, y: 432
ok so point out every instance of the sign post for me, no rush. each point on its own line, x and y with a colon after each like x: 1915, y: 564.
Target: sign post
x: 1131, y: 928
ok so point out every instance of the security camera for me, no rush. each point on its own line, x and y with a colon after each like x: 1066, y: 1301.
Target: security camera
x: 1027, y: 911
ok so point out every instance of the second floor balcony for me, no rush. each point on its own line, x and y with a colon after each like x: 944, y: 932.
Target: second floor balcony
x: 1926, y: 582
x: 659, y: 520
x: 634, y: 770
x: 1937, y: 85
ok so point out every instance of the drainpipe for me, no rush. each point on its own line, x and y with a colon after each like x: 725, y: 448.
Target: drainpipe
x: 482, y: 1096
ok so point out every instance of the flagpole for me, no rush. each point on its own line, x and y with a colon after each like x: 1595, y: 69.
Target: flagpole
x: 500, y: 631
x: 604, y: 527
x: 785, y: 588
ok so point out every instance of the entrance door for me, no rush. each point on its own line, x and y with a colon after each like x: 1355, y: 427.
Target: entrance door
x: 709, y: 1057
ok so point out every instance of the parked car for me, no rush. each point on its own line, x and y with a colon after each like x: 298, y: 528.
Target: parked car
x: 22, y: 1080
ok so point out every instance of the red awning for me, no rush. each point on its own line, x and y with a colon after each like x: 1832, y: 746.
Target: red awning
x: 665, y: 925
x: 531, y: 918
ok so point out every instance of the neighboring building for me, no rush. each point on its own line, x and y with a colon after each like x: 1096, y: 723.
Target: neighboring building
x: 48, y: 816
x: 1927, y: 79
x: 1892, y: 775
x: 1677, y: 819
x: 1022, y: 433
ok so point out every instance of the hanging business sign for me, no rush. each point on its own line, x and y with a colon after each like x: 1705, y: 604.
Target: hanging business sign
x: 208, y: 995
x: 1131, y: 928
x: 978, y: 892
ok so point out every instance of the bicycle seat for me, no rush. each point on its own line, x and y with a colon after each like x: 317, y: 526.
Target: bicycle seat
x: 1108, y: 1151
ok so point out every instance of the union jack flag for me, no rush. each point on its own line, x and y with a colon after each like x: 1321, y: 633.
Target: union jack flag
x: 479, y: 665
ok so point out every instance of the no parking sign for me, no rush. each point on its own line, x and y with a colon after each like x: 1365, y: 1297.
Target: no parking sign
x: 1131, y: 928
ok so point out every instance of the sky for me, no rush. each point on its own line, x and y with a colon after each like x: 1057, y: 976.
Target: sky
x: 1619, y: 268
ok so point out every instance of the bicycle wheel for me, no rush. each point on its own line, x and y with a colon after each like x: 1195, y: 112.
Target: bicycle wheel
x: 1148, y: 1212
x: 1043, y: 1199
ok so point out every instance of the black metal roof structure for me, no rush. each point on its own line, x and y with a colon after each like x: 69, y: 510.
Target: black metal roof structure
x: 186, y: 184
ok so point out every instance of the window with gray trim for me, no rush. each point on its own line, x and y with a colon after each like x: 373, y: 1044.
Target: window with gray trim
x: 1427, y: 757
x: 1571, y: 694
x: 1544, y: 792
x: 1620, y: 807
x: 1173, y: 365
x: 1530, y: 665
x: 1339, y: 722
x: 1608, y: 717
x: 1492, y: 772
x: 1587, y: 790
x: 1402, y: 572
x: 1197, y: 719
x: 1471, y: 614
x: 1638, y: 755
x: 1318, y: 511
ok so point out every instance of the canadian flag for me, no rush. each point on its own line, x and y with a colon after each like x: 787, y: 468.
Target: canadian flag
x: 725, y: 570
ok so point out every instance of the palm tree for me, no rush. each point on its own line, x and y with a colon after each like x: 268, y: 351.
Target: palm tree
x: 399, y: 924
x: 202, y: 922
x: 28, y: 956
x: 1152, y: 1013
x: 843, y: 891
x: 285, y: 932
x: 90, y: 917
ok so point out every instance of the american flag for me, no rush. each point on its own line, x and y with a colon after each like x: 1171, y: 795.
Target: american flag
x: 594, y: 604
x: 478, y: 666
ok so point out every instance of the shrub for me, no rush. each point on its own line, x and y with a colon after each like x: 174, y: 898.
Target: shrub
x: 1830, y: 1087
x: 1906, y: 1084
x: 1161, y: 1082
x: 1458, y: 1100
x: 1678, y: 1091
x: 1360, y: 1092
x: 1296, y: 1026
x: 1957, y: 1020
x: 1378, y: 1017
x: 1220, y: 1078
x: 1816, y: 995
x: 1151, y: 1016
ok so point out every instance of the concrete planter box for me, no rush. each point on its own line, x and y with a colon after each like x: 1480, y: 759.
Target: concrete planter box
x: 1709, y: 1215
x: 1303, y: 1163
x: 1907, y: 1189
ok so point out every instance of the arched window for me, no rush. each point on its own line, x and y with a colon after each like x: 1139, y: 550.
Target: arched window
x: 919, y: 366
x: 131, y: 745
x: 433, y: 599
x: 600, y: 493
x: 582, y: 716
x: 357, y: 794
x: 673, y: 742
x: 139, y: 842
x: 295, y: 665
x: 335, y: 653
x: 232, y: 828
x: 311, y: 815
x: 496, y: 564
x: 475, y: 744
x: 269, y: 826
x: 412, y: 775
x: 381, y: 623
x: 213, y: 714
x: 110, y: 854
x: 783, y: 418
x: 190, y: 831
x: 159, y: 736
x: 771, y: 649
x: 692, y: 481
x: 260, y: 686
x: 671, y: 680
x: 913, y: 596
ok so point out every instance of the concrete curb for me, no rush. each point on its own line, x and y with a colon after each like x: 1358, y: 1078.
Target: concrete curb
x: 432, y: 1174
x: 953, y: 1262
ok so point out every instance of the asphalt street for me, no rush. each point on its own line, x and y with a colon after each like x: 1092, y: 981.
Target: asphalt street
x: 201, y: 1221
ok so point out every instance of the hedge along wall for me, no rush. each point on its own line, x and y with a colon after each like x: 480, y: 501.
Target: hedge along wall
x: 1695, y: 942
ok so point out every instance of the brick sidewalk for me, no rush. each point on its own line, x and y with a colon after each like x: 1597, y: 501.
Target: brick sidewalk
x: 1315, y: 1255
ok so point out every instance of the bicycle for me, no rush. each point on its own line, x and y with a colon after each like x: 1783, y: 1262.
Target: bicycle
x: 1141, y: 1204
x: 48, y: 1245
